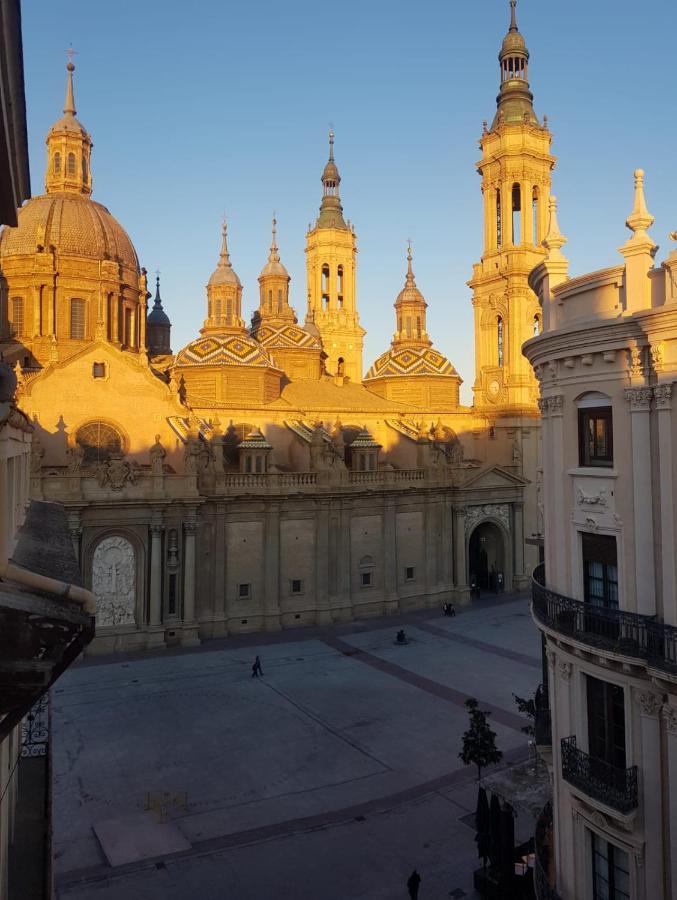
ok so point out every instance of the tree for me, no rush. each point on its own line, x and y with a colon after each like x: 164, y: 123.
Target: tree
x: 479, y: 741
x: 528, y: 709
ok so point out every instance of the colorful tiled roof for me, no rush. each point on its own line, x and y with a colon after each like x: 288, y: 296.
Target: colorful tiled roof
x: 285, y: 336
x: 408, y: 361
x: 224, y: 350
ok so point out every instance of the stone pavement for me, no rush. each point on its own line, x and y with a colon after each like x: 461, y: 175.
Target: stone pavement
x: 332, y: 776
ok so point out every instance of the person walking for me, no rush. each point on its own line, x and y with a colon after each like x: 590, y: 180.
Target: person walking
x: 413, y: 883
x: 256, y: 668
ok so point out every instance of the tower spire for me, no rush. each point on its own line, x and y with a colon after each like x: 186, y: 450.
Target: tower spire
x: 69, y: 106
x: 331, y: 211
x: 515, y: 100
x: 513, y: 15
x: 274, y: 255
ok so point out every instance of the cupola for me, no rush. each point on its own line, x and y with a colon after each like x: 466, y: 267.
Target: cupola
x: 69, y: 149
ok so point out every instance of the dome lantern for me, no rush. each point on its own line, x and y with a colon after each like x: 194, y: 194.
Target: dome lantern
x: 69, y: 149
x: 515, y: 100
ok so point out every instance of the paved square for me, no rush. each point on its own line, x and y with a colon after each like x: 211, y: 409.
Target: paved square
x: 333, y: 775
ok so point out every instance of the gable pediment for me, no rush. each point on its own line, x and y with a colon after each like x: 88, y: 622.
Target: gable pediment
x: 494, y: 477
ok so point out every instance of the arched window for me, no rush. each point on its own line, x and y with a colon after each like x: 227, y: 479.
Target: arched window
x: 229, y: 310
x: 71, y: 163
x: 516, y: 214
x: 98, y: 440
x: 537, y: 325
x: 78, y: 309
x: 217, y: 310
x: 325, y: 286
x: 408, y: 326
x: 270, y: 301
x: 280, y: 303
x: 499, y: 340
x: 17, y: 317
x: 499, y: 221
x: 128, y: 327
x: 339, y: 277
x: 84, y: 170
x: 418, y: 326
x: 340, y: 366
x: 534, y: 216
x: 57, y: 164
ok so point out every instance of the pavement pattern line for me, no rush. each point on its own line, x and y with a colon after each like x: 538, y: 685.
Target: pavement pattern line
x: 332, y: 818
x: 451, y: 695
x: 513, y: 655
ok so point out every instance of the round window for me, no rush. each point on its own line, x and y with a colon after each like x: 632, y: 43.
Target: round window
x: 99, y: 440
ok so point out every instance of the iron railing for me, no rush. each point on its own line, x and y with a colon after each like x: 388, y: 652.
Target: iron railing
x: 625, y: 633
x: 613, y: 786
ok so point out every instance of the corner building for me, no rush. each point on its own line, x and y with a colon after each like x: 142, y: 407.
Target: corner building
x: 606, y: 598
x: 253, y: 479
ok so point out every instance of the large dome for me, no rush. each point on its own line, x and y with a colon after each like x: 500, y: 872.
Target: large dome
x: 224, y: 350
x: 74, y: 225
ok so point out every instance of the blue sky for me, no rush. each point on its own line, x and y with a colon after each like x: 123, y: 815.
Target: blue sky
x: 211, y: 107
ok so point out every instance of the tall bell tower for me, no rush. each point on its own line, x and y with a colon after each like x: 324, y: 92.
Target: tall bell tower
x: 516, y: 168
x: 331, y: 263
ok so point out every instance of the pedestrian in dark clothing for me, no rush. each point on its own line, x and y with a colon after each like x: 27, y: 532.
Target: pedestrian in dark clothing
x: 413, y: 883
x: 256, y: 668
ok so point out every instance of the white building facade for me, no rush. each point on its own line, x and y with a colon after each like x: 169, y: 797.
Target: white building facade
x: 606, y: 597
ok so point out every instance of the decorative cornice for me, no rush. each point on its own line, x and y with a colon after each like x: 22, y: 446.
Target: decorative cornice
x: 639, y: 399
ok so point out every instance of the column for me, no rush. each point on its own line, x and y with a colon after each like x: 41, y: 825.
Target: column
x: 156, y: 569
x: 518, y: 539
x: 663, y: 397
x: 189, y: 528
x: 271, y: 579
x: 460, y: 551
x: 670, y: 789
x: 651, y: 785
x: 75, y: 529
x: 390, y: 554
x: 639, y: 400
x: 114, y: 318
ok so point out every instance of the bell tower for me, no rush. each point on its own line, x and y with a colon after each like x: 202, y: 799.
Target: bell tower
x: 516, y: 168
x: 331, y: 261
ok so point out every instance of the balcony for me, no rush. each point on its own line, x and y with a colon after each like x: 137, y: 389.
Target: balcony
x: 628, y: 634
x: 598, y: 779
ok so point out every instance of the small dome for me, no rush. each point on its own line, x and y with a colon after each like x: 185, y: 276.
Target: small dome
x: 158, y: 316
x: 274, y: 267
x: 68, y: 122
x: 364, y: 441
x: 409, y: 361
x: 224, y: 350
x: 331, y: 172
x: 513, y: 42
x: 75, y: 225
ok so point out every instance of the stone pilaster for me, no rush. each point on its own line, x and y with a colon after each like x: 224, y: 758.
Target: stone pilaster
x: 663, y: 399
x: 459, y: 546
x: 670, y: 789
x: 190, y: 631
x: 156, y: 570
x: 389, y: 555
x: 651, y: 786
x: 271, y: 589
x: 639, y: 400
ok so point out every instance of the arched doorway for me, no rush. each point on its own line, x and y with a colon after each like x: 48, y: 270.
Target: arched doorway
x: 487, y: 557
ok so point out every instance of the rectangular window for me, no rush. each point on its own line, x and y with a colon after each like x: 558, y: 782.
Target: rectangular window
x: 595, y: 437
x: 409, y: 573
x: 366, y: 579
x: 600, y: 570
x: 17, y: 316
x: 243, y: 591
x: 98, y: 370
x: 78, y: 308
x: 606, y: 723
x: 171, y: 600
x: 296, y: 585
x: 610, y: 871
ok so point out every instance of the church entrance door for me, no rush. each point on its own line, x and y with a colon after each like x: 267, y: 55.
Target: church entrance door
x: 487, y: 557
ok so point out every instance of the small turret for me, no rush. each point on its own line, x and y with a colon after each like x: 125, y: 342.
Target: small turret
x: 158, y: 326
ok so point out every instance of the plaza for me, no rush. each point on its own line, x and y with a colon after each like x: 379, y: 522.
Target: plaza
x: 333, y: 775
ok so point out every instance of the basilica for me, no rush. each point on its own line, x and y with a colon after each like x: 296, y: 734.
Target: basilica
x: 257, y: 478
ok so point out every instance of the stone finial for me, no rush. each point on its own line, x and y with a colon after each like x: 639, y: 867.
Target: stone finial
x: 554, y: 239
x: 640, y: 218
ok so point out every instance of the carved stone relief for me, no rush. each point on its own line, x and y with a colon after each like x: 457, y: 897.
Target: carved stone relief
x: 114, y: 581
x: 476, y: 514
x: 649, y: 703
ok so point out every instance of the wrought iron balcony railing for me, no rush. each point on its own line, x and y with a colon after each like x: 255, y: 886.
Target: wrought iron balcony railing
x: 629, y: 634
x: 598, y: 779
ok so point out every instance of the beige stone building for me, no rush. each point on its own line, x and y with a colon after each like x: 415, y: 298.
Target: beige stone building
x: 606, y: 599
x: 255, y: 479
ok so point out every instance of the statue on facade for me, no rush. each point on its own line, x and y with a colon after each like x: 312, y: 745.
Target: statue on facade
x: 516, y: 452
x: 191, y: 453
x: 75, y: 456
x: 37, y: 454
x: 157, y: 456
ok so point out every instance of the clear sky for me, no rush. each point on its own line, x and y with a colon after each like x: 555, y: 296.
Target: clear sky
x: 212, y: 107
